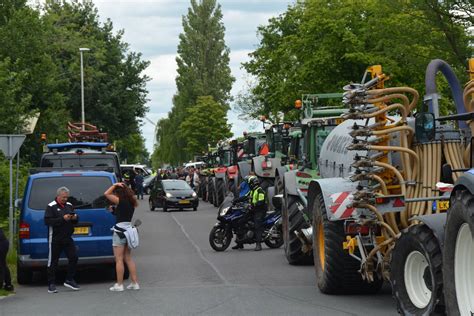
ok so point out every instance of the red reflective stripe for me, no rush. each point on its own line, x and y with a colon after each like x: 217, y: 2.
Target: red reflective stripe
x: 338, y: 201
x: 347, y: 212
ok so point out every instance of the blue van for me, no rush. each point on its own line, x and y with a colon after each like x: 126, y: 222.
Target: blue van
x: 92, y: 234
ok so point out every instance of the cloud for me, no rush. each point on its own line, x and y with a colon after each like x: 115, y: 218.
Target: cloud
x: 152, y: 27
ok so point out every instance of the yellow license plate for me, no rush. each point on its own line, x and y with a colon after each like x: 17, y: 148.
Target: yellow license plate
x: 442, y: 205
x: 184, y: 202
x: 81, y: 230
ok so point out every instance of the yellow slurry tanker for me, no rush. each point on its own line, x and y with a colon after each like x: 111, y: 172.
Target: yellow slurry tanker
x: 405, y: 213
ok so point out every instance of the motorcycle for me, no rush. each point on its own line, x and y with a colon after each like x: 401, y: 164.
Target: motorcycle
x: 237, y: 219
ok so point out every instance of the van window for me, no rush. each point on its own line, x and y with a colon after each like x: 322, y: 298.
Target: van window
x: 68, y: 161
x: 85, y: 192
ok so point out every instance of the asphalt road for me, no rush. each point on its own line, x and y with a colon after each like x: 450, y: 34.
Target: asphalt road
x: 180, y: 274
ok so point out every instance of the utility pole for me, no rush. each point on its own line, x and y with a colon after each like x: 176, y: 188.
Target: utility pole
x: 83, y: 116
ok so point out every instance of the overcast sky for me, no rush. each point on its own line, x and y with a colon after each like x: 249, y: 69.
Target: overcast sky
x: 152, y: 28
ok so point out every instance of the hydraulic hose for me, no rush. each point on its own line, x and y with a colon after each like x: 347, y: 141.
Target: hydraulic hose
x: 435, y: 66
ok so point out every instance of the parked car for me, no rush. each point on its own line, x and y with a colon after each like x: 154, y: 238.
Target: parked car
x: 92, y: 234
x: 169, y: 194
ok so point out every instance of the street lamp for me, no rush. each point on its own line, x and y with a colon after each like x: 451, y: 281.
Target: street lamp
x: 83, y: 49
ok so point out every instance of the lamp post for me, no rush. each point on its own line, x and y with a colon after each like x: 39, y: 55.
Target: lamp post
x: 81, y: 50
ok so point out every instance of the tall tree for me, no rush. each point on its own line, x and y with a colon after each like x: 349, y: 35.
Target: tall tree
x: 205, y: 125
x: 203, y: 70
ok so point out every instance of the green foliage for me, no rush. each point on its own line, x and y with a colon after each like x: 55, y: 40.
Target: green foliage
x: 40, y: 63
x: 318, y: 46
x: 132, y: 149
x: 203, y: 70
x: 5, y: 188
x: 205, y: 125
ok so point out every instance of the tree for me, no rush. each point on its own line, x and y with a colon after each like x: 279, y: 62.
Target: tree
x: 319, y: 46
x: 203, y: 70
x: 205, y: 125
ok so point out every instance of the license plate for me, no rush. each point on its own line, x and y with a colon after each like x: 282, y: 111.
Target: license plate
x: 81, y: 230
x: 183, y: 202
x: 442, y: 205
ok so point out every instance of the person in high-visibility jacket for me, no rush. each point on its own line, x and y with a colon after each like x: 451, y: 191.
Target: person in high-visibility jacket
x: 258, y: 201
x: 258, y: 205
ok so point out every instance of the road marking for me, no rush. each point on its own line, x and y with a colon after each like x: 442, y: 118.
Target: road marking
x: 216, y: 270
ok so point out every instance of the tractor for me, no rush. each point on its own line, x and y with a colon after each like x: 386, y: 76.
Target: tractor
x: 395, y: 201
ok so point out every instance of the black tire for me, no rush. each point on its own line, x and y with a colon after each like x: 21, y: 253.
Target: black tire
x: 416, y: 240
x: 214, y: 193
x: 279, y: 184
x: 203, y: 190
x: 275, y: 243
x: 150, y: 203
x: 336, y: 271
x: 460, y: 217
x: 265, y: 183
x: 24, y: 276
x: 220, y: 238
x: 220, y: 191
x: 195, y: 208
x: 210, y: 190
x: 292, y: 219
x: 165, y: 207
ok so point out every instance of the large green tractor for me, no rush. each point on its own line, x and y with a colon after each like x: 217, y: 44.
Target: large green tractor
x: 317, y: 121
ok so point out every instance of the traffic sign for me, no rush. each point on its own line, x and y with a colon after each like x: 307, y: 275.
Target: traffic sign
x: 9, y: 144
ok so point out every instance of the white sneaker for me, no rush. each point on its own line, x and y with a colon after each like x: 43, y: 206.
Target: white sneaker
x: 133, y: 286
x: 117, y: 288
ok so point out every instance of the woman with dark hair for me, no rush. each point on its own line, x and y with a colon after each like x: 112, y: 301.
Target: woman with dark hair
x: 125, y: 203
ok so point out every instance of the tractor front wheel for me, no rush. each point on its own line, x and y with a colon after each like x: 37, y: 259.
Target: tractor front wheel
x: 458, y: 256
x: 292, y: 219
x: 416, y: 272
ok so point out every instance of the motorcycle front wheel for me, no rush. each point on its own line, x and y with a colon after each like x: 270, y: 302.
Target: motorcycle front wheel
x: 220, y: 238
x: 275, y: 240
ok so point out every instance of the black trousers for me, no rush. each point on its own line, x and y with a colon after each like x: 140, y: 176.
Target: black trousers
x: 258, y: 217
x: 5, y: 276
x: 56, y: 248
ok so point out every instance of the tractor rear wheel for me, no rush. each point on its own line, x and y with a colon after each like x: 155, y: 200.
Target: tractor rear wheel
x: 336, y: 271
x: 279, y: 184
x: 220, y: 191
x: 203, y: 190
x: 210, y: 190
x: 416, y: 272
x: 265, y: 183
x: 292, y: 219
x: 458, y: 256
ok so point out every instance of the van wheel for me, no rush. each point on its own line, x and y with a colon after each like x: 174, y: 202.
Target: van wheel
x: 24, y: 276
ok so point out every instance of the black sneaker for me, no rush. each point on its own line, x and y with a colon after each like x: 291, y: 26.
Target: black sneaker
x: 52, y: 288
x: 238, y: 246
x: 72, y: 285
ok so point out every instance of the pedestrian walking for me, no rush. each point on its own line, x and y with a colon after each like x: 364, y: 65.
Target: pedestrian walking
x: 5, y: 276
x: 60, y: 219
x: 139, y: 185
x: 124, y: 200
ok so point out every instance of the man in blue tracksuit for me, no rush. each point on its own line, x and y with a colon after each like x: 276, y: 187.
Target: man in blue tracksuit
x: 60, y: 219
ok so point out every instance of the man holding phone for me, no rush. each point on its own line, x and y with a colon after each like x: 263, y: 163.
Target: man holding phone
x: 60, y: 219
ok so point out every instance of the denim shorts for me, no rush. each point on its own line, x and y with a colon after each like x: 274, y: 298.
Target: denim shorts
x: 117, y: 241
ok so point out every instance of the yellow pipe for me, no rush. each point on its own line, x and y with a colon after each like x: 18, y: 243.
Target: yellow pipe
x: 397, y: 148
x: 412, y: 91
x: 396, y: 172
